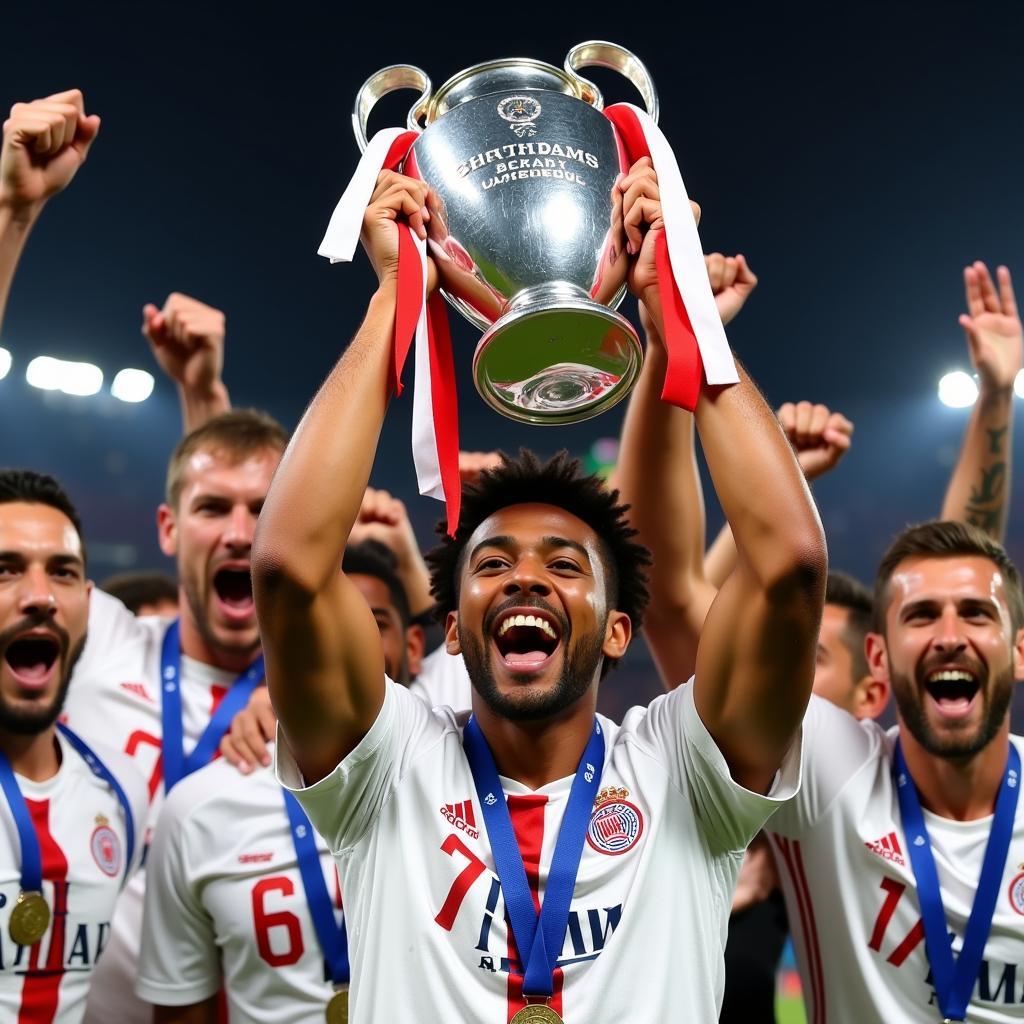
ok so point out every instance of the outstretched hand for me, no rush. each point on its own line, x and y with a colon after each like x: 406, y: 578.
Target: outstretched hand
x: 819, y: 436
x: 45, y: 142
x: 995, y: 338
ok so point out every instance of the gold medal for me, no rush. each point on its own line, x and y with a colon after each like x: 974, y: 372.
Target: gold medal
x: 337, y: 1008
x: 536, y: 1013
x: 29, y: 919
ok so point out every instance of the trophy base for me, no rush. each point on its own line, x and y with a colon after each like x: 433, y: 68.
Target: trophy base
x: 556, y: 357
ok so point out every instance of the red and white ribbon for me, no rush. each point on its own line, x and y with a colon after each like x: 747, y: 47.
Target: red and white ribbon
x: 435, y: 431
x: 695, y: 337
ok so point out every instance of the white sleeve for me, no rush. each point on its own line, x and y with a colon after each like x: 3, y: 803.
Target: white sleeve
x: 729, y: 815
x: 345, y: 804
x: 836, y: 748
x: 179, y: 963
x: 111, y: 627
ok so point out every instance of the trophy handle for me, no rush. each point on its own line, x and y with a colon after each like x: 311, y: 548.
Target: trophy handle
x: 600, y: 54
x: 390, y: 79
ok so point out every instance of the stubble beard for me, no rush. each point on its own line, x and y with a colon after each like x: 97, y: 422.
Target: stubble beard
x: 200, y: 607
x: 995, y: 695
x: 37, y: 718
x: 579, y: 669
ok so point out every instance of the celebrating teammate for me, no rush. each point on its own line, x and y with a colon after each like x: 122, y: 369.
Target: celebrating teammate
x: 621, y: 835
x: 72, y: 815
x: 255, y: 907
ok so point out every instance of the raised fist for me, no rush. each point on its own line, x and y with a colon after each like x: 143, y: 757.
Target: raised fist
x: 187, y: 338
x: 383, y: 518
x: 395, y: 198
x: 45, y: 143
x: 732, y: 281
x: 819, y: 436
x: 992, y: 324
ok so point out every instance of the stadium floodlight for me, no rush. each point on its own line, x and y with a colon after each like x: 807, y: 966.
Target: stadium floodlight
x: 1018, y: 383
x: 132, y: 385
x: 5, y: 363
x: 958, y: 390
x: 72, y: 378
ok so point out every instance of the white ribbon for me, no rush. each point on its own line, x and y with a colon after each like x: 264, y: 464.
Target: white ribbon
x: 342, y: 236
x: 424, y: 441
x: 687, y: 255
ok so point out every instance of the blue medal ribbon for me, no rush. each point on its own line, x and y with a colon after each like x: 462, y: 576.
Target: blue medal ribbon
x: 538, y: 938
x: 101, y: 771
x: 31, y: 857
x: 954, y: 982
x: 332, y: 936
x: 176, y: 764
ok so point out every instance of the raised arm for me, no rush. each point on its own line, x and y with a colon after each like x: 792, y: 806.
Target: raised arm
x: 820, y: 438
x: 657, y: 450
x: 325, y: 666
x: 45, y: 142
x: 755, y: 659
x: 187, y: 339
x: 979, y: 490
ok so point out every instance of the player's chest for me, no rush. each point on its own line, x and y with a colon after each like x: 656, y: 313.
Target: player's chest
x: 83, y: 862
x: 259, y: 904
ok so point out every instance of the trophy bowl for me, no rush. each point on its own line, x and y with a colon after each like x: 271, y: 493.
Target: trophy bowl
x: 525, y: 225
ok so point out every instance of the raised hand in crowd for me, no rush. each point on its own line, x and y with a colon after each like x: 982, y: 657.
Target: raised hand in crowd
x: 979, y: 489
x: 45, y: 142
x: 732, y: 282
x: 187, y: 339
x: 820, y: 438
x: 384, y: 518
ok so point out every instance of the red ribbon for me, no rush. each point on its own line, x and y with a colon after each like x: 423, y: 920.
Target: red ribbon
x: 684, y: 373
x: 443, y: 399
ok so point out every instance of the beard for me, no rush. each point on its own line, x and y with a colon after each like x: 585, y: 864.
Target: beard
x: 579, y: 667
x: 995, y: 693
x: 37, y: 717
x: 199, y: 606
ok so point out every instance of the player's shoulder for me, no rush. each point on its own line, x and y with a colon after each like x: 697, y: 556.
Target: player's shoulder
x: 219, y: 791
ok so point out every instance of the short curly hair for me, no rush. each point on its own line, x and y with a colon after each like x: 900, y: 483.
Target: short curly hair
x: 561, y: 482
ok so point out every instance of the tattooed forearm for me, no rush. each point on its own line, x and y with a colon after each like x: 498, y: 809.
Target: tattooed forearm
x: 995, y: 440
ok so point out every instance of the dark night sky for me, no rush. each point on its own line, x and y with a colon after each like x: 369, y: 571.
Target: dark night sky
x: 859, y: 155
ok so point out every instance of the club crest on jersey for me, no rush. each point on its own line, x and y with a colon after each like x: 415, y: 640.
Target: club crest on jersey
x: 616, y: 824
x: 106, y: 847
x: 1017, y: 893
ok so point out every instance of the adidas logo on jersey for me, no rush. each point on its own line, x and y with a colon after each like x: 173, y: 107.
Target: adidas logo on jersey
x: 139, y: 690
x: 461, y: 816
x: 888, y: 848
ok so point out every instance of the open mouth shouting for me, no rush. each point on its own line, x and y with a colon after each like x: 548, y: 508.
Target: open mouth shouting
x: 953, y: 690
x: 526, y: 639
x: 232, y: 585
x: 32, y: 658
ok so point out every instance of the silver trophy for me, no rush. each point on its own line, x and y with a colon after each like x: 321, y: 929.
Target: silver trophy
x: 525, y: 228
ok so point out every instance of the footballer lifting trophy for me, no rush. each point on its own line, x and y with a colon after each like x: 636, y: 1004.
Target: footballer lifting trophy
x: 525, y: 229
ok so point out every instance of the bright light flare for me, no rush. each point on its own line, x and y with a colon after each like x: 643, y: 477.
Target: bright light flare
x: 958, y: 390
x: 5, y: 363
x: 1018, y: 383
x: 51, y: 374
x: 132, y: 385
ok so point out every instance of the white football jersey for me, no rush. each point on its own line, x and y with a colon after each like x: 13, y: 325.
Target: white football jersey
x: 82, y: 839
x: 225, y: 903
x: 114, y: 698
x: 851, y: 895
x: 443, y: 681
x: 427, y: 924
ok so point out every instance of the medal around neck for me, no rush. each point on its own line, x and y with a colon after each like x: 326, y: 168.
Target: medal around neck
x: 337, y: 1008
x: 29, y: 919
x: 524, y: 225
